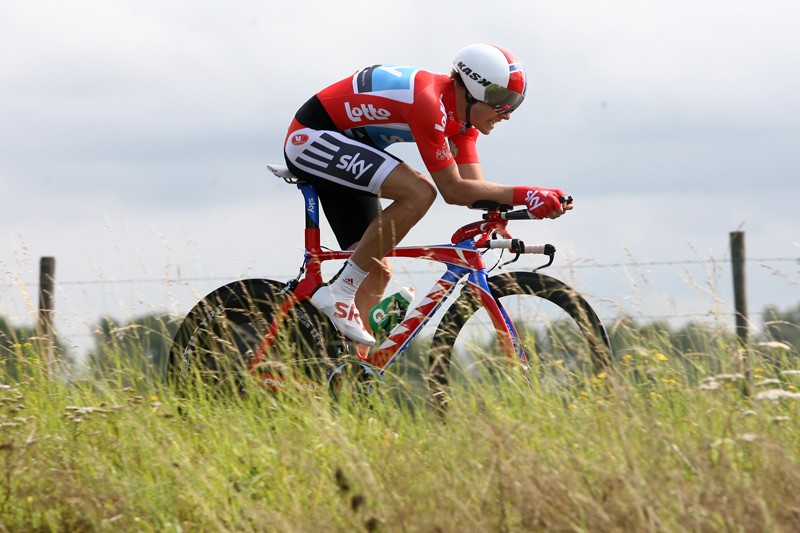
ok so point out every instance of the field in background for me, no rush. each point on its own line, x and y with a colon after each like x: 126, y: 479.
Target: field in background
x: 691, y: 436
x: 672, y: 445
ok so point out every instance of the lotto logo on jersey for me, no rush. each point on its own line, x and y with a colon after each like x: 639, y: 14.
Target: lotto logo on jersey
x: 366, y: 111
x: 299, y: 139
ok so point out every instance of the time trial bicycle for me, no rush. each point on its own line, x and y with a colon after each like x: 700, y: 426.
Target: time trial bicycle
x: 269, y: 329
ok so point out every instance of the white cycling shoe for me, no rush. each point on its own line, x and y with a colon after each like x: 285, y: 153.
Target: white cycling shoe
x: 343, y: 313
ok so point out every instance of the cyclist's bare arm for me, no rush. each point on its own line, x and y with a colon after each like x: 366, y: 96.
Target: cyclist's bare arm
x: 464, y: 185
x: 471, y: 171
x: 469, y: 187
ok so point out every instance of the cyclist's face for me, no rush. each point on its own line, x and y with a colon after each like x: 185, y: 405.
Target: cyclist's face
x: 484, y: 117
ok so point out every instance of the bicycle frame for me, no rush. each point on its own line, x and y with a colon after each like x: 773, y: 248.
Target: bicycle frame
x: 462, y: 259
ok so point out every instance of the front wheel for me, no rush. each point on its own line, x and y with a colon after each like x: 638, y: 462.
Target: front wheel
x: 560, y: 332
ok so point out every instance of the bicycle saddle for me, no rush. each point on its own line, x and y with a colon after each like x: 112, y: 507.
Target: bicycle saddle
x: 284, y: 173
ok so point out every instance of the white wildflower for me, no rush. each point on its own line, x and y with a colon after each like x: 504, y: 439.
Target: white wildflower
x: 728, y: 377
x: 777, y: 394
x: 775, y: 345
x: 768, y: 381
x: 749, y: 437
x: 719, y: 442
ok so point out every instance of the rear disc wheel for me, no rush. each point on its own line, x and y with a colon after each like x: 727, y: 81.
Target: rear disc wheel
x: 216, y: 342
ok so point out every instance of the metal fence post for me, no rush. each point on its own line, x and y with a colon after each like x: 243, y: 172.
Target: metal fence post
x: 44, y: 326
x: 740, y: 304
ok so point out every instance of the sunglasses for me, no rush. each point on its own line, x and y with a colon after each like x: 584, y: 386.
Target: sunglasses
x: 501, y: 99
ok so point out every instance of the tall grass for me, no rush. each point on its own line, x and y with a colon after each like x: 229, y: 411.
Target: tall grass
x: 670, y: 447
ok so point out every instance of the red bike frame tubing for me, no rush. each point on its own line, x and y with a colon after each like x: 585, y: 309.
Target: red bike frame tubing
x: 461, y: 259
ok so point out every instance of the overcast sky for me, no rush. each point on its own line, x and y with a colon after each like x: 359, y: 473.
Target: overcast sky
x: 134, y: 137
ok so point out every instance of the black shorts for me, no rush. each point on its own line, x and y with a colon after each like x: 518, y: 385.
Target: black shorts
x: 348, y: 214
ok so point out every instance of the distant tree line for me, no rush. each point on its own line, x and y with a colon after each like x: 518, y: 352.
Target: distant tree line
x: 143, y: 342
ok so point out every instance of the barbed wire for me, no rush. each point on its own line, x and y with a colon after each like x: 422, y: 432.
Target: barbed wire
x: 575, y: 264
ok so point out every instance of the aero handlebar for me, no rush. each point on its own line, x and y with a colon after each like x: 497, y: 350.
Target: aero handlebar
x: 523, y: 214
x: 520, y: 247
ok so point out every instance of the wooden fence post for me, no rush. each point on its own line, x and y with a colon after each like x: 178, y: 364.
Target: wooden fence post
x: 740, y: 304
x: 44, y: 326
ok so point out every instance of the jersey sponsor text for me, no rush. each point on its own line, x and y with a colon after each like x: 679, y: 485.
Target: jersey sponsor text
x: 354, y: 165
x: 368, y: 111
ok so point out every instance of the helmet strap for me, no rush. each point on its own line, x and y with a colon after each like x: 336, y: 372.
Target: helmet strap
x: 470, y: 101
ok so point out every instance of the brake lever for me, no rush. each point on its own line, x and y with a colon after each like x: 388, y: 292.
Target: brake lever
x: 516, y: 256
x: 549, y: 251
x: 551, y: 256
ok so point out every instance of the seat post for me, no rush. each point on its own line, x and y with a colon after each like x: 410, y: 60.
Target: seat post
x: 312, y: 205
x: 312, y: 237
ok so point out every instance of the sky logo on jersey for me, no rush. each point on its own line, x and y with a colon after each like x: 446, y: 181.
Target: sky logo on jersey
x: 366, y: 111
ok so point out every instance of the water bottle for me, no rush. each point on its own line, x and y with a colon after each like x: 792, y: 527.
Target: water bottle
x: 391, y: 310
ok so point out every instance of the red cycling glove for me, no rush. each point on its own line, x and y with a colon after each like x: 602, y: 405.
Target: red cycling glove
x: 539, y: 201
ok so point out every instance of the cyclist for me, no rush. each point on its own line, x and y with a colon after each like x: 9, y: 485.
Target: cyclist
x: 337, y: 141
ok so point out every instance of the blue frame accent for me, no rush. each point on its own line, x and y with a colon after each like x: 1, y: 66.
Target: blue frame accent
x: 311, y: 202
x: 453, y: 275
x: 481, y: 279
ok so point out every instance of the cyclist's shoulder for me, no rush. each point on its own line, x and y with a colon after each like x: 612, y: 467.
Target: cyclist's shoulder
x: 385, y: 78
x: 405, y: 83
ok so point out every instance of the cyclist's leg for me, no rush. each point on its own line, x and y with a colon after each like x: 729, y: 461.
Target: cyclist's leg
x: 372, y: 289
x: 333, y: 161
x: 370, y: 292
x: 413, y: 194
x: 349, y: 214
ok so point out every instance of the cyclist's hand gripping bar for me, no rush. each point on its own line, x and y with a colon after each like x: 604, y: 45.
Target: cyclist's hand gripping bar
x: 524, y: 214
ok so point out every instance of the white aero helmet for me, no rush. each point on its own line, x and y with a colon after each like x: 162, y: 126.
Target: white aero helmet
x: 492, y: 75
